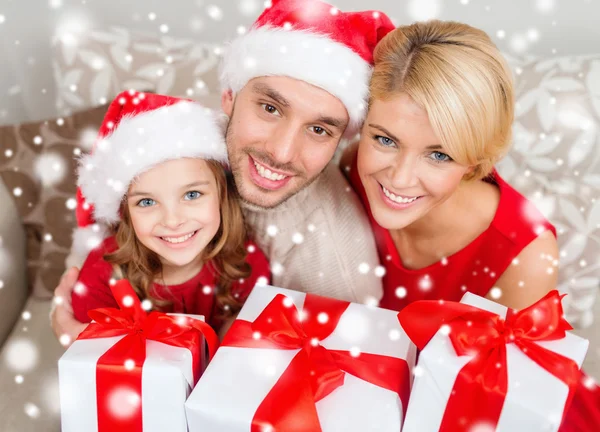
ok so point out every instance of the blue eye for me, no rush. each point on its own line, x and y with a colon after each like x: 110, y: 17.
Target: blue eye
x: 146, y: 202
x: 440, y: 157
x: 384, y: 141
x: 192, y: 195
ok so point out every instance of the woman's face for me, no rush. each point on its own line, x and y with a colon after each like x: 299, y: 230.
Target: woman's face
x: 405, y: 170
x: 174, y: 210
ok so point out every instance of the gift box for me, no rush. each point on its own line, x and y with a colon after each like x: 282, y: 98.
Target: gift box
x: 130, y: 370
x: 299, y: 362
x: 484, y: 367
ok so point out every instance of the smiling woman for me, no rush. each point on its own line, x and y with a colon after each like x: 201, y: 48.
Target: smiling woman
x: 444, y: 221
x: 440, y: 115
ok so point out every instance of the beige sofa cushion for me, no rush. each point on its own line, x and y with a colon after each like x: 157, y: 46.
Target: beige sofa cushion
x: 555, y: 162
x: 103, y: 63
x: 37, y: 165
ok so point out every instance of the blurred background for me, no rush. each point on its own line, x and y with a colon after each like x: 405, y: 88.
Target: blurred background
x: 28, y: 29
x: 62, y: 61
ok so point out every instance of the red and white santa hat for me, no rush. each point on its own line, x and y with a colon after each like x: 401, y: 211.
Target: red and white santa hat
x: 314, y: 42
x: 139, y: 131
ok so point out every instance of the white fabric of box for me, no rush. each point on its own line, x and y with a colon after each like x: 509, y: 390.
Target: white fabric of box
x: 238, y: 379
x: 535, y: 399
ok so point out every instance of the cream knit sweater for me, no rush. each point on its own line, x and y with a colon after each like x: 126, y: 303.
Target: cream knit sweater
x: 320, y: 241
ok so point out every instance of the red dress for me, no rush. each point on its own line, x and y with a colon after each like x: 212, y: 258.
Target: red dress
x: 475, y: 268
x: 195, y: 296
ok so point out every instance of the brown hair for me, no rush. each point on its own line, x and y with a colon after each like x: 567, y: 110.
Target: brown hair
x: 456, y: 73
x: 227, y: 250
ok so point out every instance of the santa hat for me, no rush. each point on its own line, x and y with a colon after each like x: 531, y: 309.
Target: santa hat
x: 314, y: 42
x: 139, y: 131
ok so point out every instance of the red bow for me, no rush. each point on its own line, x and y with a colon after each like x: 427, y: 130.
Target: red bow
x: 121, y: 366
x: 481, y: 386
x: 315, y: 371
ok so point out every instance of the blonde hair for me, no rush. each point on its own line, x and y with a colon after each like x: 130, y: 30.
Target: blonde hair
x: 227, y: 250
x: 458, y: 76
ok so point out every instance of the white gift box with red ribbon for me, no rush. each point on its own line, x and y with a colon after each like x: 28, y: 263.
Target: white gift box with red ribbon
x: 256, y: 362
x: 130, y: 370
x: 535, y: 398
x: 167, y: 381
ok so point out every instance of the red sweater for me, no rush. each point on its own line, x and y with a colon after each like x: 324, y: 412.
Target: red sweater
x: 476, y: 268
x: 195, y: 296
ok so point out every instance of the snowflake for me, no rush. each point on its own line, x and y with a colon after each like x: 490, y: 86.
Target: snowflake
x: 379, y: 271
x: 482, y: 427
x: 322, y: 318
x: 423, y: 10
x: 297, y: 238
x: 401, y: 292
x: 32, y: 410
x: 545, y: 6
x: 214, y: 12
x: 364, y: 268
x: 50, y: 168
x: 276, y: 268
x: 354, y: 326
x: 123, y: 402
x: 418, y: 371
x: 249, y: 8
x: 127, y: 301
x: 22, y: 355
x: 425, y: 283
x: 65, y: 340
x: 394, y: 335
x: 272, y: 230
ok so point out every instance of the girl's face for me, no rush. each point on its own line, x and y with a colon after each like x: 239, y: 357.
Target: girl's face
x: 174, y: 210
x: 404, y: 168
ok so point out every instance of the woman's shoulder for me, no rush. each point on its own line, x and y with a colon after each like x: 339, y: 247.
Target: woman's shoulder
x: 517, y: 217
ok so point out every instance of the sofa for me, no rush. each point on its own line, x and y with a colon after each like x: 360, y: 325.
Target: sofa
x: 555, y: 161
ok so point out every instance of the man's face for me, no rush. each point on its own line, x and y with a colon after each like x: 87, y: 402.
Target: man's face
x: 281, y: 134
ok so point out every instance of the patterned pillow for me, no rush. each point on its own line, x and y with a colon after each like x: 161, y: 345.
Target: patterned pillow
x: 37, y: 165
x: 93, y: 70
x: 555, y: 162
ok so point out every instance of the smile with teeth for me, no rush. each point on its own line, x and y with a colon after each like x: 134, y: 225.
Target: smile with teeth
x: 180, y: 239
x: 398, y: 199
x: 266, y: 173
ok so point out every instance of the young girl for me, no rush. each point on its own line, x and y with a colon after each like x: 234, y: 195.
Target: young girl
x: 156, y: 181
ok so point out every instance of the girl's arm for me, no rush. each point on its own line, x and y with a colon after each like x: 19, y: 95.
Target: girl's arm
x: 92, y: 290
x: 531, y: 275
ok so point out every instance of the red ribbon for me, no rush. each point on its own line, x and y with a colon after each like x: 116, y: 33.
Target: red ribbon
x: 315, y: 371
x: 120, y: 368
x: 482, y: 384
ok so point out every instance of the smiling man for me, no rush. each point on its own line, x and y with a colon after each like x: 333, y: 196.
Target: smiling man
x: 294, y: 86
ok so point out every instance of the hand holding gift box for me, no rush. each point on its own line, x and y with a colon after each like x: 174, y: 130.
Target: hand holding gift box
x: 300, y: 362
x: 130, y: 370
x: 481, y: 371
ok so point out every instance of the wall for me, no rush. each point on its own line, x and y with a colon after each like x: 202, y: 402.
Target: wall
x: 27, y: 28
